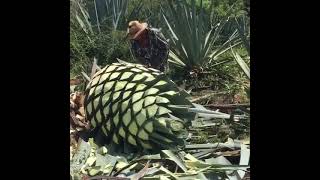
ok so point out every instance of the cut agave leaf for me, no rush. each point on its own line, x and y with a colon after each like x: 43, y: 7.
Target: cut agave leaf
x: 149, y: 100
x: 94, y: 170
x: 151, y: 91
x: 170, y: 155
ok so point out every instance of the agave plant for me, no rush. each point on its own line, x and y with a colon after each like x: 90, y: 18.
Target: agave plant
x: 114, y: 10
x: 128, y: 104
x: 194, y: 35
x: 92, y: 16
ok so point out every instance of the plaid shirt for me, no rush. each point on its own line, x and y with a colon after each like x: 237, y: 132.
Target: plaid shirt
x: 156, y: 54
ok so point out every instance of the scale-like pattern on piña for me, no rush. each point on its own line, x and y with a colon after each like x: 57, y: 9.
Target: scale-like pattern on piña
x: 140, y: 106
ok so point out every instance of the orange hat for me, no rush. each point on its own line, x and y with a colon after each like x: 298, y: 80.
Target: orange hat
x: 135, y: 28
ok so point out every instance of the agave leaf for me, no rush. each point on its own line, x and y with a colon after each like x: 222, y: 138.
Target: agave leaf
x: 241, y: 63
x: 168, y: 172
x: 151, y: 157
x: 91, y: 160
x: 221, y: 160
x: 85, y: 16
x: 81, y: 24
x: 94, y: 170
x: 170, y: 155
x: 244, y: 158
x: 173, y: 58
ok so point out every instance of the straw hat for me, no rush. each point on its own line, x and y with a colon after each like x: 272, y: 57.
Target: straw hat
x: 135, y: 28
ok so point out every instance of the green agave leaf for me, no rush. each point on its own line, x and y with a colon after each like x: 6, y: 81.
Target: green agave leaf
x: 137, y: 106
x: 168, y: 172
x: 149, y: 127
x: 115, y: 107
x: 106, y: 110
x: 96, y: 103
x: 160, y: 83
x: 141, y: 117
x: 115, y: 139
x: 152, y: 110
x: 133, y: 128
x: 126, y: 75
x: 145, y: 145
x: 81, y: 24
x: 93, y: 123
x: 127, y: 117
x: 244, y: 158
x: 143, y: 135
x: 111, y: 68
x: 105, y: 98
x: 98, y: 117
x: 126, y: 94
x: 137, y: 96
x: 124, y: 105
x: 114, y: 76
x: 149, y: 100
x: 163, y: 100
x: 116, y: 95
x: 241, y: 63
x: 136, y: 70
x: 149, y: 79
x: 95, y: 170
x: 170, y: 155
x: 98, y: 89
x: 143, y: 68
x: 130, y: 85
x: 116, y: 119
x: 108, y: 124
x: 137, y: 77
x: 108, y: 86
x: 169, y: 93
x: 91, y: 160
x: 122, y: 68
x: 122, y: 133
x: 163, y: 110
x: 131, y: 140
x: 141, y: 87
x: 103, y: 77
x: 120, y: 85
x: 151, y: 91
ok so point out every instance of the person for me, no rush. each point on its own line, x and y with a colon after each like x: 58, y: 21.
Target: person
x: 148, y: 45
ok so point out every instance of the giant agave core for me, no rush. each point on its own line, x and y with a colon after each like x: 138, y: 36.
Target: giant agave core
x: 128, y: 103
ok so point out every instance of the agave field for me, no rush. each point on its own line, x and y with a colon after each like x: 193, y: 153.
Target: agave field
x: 208, y: 86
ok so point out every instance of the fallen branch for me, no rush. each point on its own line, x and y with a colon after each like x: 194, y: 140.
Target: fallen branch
x: 207, y: 96
x: 213, y: 146
x: 227, y: 106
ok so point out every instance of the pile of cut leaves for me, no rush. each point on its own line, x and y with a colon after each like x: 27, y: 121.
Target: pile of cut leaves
x: 228, y: 160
